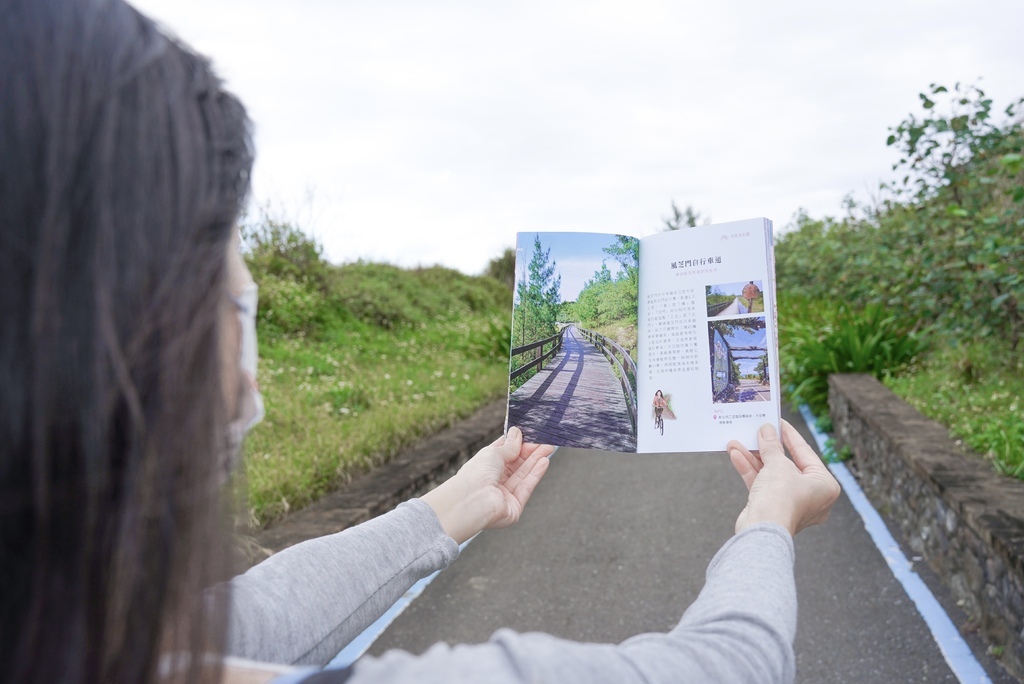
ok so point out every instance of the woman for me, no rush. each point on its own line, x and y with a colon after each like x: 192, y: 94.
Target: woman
x: 659, y: 405
x: 127, y: 362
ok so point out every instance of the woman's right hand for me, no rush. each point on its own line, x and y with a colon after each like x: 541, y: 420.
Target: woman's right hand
x: 794, y: 493
x: 492, y: 488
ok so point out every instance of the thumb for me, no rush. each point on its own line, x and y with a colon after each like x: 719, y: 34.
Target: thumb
x: 513, y: 443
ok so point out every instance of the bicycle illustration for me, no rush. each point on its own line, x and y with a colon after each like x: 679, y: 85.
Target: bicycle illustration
x: 661, y: 411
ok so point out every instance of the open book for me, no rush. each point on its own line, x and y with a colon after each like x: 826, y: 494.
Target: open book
x: 660, y: 344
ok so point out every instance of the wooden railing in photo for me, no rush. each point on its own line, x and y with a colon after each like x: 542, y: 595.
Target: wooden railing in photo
x: 556, y: 342
x: 613, y: 351
x: 715, y: 309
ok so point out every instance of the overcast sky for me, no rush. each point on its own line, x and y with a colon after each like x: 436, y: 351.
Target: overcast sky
x: 423, y: 132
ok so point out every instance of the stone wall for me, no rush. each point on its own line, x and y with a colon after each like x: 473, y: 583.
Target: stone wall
x: 951, y: 506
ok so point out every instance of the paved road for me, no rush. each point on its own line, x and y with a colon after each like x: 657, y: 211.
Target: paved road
x: 613, y: 545
x: 737, y: 307
x: 752, y: 390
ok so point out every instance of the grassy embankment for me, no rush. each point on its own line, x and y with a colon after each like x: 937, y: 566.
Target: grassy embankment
x: 924, y: 289
x: 358, y: 361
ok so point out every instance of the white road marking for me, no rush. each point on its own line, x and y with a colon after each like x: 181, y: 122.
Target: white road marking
x: 954, y: 649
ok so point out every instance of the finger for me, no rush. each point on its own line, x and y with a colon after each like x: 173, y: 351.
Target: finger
x: 743, y: 466
x: 516, y: 471
x: 527, y: 450
x: 771, y: 445
x: 803, y: 455
x: 520, y: 469
x: 524, y: 489
x: 752, y: 457
x: 546, y: 449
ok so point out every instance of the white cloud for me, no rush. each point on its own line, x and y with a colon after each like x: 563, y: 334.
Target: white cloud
x: 432, y: 132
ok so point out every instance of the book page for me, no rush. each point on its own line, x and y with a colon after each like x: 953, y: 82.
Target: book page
x: 572, y: 372
x: 708, y: 367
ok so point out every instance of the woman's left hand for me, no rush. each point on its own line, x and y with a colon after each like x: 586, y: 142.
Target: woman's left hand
x: 492, y: 488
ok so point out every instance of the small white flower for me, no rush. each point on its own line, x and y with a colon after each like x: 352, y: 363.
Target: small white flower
x: 387, y: 376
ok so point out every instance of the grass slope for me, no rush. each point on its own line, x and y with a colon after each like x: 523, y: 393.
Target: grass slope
x: 395, y: 354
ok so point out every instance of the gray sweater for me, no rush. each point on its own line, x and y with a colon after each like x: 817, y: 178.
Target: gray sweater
x: 304, y: 604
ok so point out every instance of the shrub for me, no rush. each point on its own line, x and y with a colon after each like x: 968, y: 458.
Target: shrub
x: 493, y: 341
x: 389, y: 297
x: 948, y: 243
x: 278, y: 248
x: 816, y: 341
x: 288, y: 306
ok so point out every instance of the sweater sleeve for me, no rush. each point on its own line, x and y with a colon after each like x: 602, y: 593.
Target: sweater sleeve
x: 304, y: 604
x: 739, y: 630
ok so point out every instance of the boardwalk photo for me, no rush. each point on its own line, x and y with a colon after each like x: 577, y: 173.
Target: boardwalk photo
x: 576, y: 400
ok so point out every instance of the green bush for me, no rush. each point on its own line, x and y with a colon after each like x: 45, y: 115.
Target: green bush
x: 948, y: 242
x: 493, y: 340
x: 288, y: 306
x: 278, y: 248
x: 946, y: 246
x: 816, y: 341
x: 503, y: 268
x: 374, y: 293
x: 390, y: 297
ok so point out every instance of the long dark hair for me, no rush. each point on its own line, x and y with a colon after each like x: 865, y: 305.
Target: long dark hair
x: 123, y: 165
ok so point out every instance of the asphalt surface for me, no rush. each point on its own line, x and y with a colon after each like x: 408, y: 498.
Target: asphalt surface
x: 613, y: 545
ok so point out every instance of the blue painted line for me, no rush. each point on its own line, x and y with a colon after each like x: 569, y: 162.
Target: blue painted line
x: 361, y: 644
x: 954, y: 649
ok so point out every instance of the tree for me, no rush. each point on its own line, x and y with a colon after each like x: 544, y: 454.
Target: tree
x: 626, y: 251
x: 762, y: 369
x: 727, y: 328
x: 538, y: 296
x: 686, y: 218
x: 503, y: 268
x: 963, y: 207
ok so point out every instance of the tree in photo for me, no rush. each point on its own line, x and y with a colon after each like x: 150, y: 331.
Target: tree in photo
x: 538, y: 301
x: 625, y: 297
